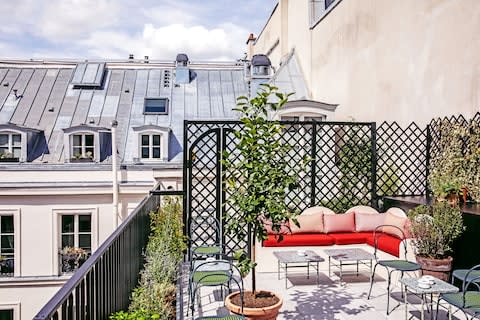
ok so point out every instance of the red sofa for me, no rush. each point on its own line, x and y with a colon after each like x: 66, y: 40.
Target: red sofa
x: 386, y: 242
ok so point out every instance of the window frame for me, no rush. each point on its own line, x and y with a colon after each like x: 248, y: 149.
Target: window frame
x: 14, y: 306
x: 10, y: 145
x: 76, y: 230
x: 57, y: 214
x: 324, y: 7
x: 167, y: 105
x: 16, y: 238
x: 151, y: 145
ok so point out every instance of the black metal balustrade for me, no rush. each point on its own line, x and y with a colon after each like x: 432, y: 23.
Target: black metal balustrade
x: 103, y: 284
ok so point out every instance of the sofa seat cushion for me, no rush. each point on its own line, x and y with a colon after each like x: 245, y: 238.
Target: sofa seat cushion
x: 350, y: 237
x: 387, y: 243
x: 299, y: 239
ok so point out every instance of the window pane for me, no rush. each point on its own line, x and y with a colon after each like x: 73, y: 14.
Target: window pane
x: 6, y: 314
x: 156, y: 152
x: 89, y: 140
x: 16, y: 140
x: 67, y: 223
x: 68, y: 241
x: 3, y: 140
x: 7, y: 244
x: 155, y: 105
x: 84, y: 223
x: 17, y: 152
x: 145, y: 139
x: 6, y: 223
x: 3, y: 150
x: 156, y: 140
x: 77, y: 140
x: 85, y: 241
x: 145, y: 153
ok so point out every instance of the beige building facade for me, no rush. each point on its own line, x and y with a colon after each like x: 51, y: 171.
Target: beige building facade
x: 380, y: 59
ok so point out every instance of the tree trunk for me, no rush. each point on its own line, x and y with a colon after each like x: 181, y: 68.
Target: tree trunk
x: 252, y: 258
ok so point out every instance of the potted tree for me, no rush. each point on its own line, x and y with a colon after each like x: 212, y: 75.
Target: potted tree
x: 258, y: 179
x: 434, y: 228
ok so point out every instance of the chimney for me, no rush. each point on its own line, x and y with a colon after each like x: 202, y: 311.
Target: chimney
x: 130, y: 57
x: 145, y: 59
x: 260, y: 72
x: 250, y: 43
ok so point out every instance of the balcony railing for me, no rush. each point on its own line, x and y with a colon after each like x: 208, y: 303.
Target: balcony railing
x: 103, y: 284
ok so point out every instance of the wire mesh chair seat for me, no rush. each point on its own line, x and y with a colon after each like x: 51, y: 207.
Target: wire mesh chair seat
x: 468, y: 301
x: 210, y: 245
x: 212, y: 273
x: 462, y: 273
x: 402, y: 265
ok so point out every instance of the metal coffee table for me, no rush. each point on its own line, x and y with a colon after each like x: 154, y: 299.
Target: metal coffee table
x: 291, y: 259
x: 346, y: 257
x: 439, y: 286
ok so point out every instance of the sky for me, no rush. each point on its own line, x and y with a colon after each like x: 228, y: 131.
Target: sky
x: 87, y: 29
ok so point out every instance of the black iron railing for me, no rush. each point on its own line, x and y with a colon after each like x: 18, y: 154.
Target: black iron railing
x: 103, y: 284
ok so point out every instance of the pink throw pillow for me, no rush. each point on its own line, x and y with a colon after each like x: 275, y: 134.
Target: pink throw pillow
x: 393, y: 220
x: 312, y: 223
x: 339, y: 222
x: 284, y: 229
x: 367, y: 222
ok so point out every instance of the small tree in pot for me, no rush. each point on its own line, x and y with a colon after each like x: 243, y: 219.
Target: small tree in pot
x: 259, y: 178
x: 434, y: 229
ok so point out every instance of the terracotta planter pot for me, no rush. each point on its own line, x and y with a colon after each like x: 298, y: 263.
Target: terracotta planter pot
x: 439, y: 268
x: 265, y: 313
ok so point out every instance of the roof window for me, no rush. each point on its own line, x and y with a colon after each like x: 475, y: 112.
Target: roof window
x: 156, y: 106
x: 88, y: 75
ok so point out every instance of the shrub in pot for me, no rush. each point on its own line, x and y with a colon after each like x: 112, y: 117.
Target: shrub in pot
x: 258, y: 179
x: 434, y: 229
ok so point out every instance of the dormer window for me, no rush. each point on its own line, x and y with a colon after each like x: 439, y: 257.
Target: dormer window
x: 86, y: 144
x: 10, y: 146
x: 83, y: 146
x: 152, y: 143
x: 20, y: 144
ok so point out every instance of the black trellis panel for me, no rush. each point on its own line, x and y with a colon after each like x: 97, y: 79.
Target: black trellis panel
x: 401, y: 160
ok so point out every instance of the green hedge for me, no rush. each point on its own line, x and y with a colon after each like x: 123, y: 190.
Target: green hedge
x: 154, y: 298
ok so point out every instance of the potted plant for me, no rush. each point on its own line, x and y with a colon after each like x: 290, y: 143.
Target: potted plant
x: 72, y: 258
x: 78, y: 157
x: 434, y: 229
x: 7, y: 157
x: 258, y: 178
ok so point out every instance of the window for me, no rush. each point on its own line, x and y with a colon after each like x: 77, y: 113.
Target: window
x: 76, y: 231
x: 83, y: 146
x: 156, y: 106
x: 319, y: 9
x: 150, y: 146
x: 10, y: 145
x: 7, y: 244
x: 6, y: 314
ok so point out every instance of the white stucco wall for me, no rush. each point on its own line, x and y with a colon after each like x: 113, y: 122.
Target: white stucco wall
x: 386, y: 59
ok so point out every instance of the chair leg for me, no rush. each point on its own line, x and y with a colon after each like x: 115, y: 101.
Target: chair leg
x: 371, y: 281
x: 388, y: 290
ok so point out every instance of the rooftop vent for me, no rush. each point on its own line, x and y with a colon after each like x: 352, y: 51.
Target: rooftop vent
x: 261, y: 65
x: 88, y: 75
x: 183, y: 74
x: 182, y: 59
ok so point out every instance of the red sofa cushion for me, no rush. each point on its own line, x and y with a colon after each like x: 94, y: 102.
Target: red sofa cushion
x: 386, y: 243
x: 299, y: 239
x: 350, y: 237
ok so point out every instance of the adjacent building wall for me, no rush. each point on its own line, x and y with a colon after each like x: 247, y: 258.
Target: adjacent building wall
x: 387, y: 59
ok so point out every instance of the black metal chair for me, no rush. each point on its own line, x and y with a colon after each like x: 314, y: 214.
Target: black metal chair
x: 212, y: 273
x: 399, y: 265
x: 468, y: 301
x: 210, y: 246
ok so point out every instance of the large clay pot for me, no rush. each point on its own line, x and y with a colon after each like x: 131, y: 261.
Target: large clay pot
x: 439, y: 268
x: 265, y: 313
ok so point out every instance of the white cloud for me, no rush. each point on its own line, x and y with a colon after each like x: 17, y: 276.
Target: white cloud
x: 225, y: 42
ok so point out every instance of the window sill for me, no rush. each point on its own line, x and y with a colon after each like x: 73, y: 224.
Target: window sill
x: 81, y: 160
x: 9, y: 159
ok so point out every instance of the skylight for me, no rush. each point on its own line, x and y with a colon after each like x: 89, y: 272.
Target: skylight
x: 88, y: 75
x: 156, y: 106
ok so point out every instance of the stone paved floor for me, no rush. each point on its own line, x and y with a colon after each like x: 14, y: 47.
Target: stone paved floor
x: 304, y: 299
